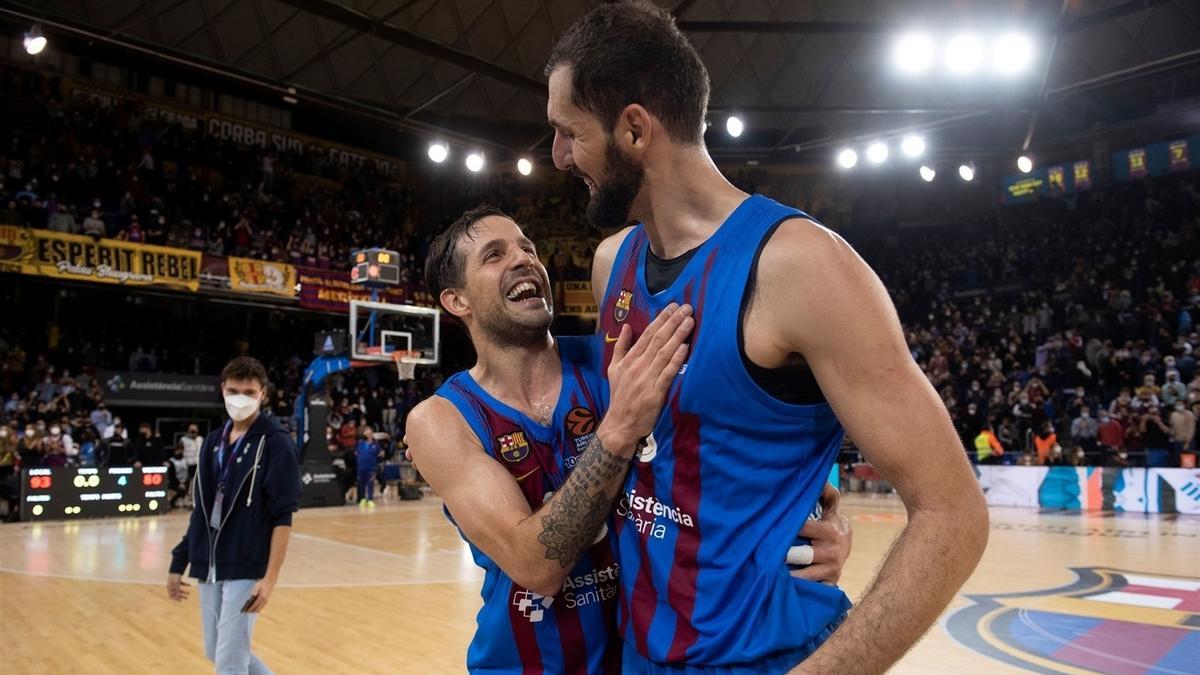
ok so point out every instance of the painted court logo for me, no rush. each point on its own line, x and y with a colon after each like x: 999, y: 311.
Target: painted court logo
x: 531, y: 605
x: 624, y: 301
x: 513, y: 447
x: 1107, y: 621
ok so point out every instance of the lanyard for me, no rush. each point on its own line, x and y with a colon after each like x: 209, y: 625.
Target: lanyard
x: 225, y: 462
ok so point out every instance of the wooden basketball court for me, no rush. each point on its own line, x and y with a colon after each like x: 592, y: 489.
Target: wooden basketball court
x: 395, y: 590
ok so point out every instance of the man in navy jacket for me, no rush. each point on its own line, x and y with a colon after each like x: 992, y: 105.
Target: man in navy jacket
x: 246, y: 489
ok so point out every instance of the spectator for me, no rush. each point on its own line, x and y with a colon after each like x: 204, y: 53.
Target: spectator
x: 93, y: 225
x: 1084, y: 431
x: 1183, y: 428
x: 178, y: 473
x: 987, y: 447
x: 1045, y: 440
x: 1110, y: 434
x: 8, y: 453
x: 367, y: 459
x: 30, y: 449
x: 147, y: 447
x: 192, y: 441
x: 101, y: 418
x: 1023, y: 412
x: 116, y: 450
x: 61, y: 220
x: 1173, y: 391
x: 1157, y: 437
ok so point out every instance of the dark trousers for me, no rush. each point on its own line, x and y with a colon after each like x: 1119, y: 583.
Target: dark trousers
x: 366, y: 484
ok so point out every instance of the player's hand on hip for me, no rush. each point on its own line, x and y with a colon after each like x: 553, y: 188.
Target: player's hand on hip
x: 175, y: 587
x: 641, y: 373
x: 831, y: 539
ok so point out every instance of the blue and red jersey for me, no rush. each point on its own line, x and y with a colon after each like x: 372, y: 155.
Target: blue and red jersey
x: 519, y: 631
x: 727, y: 470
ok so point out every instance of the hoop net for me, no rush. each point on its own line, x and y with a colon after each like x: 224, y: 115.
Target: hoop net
x: 406, y: 363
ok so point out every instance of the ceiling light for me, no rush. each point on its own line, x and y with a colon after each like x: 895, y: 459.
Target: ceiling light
x: 474, y: 162
x: 964, y: 54
x: 927, y: 173
x: 1012, y: 54
x: 1024, y: 164
x: 847, y: 158
x: 34, y: 41
x: 877, y: 152
x: 524, y: 166
x: 966, y: 172
x: 734, y: 126
x: 913, y: 54
x: 912, y: 145
x: 438, y: 152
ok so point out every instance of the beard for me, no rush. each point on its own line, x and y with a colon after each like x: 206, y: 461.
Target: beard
x: 609, y: 209
x: 510, y: 329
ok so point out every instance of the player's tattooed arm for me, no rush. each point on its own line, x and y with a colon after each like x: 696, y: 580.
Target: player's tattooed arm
x: 638, y: 376
x: 576, y: 513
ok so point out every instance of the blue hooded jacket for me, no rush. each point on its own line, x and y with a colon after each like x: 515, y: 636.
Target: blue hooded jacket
x: 261, y: 492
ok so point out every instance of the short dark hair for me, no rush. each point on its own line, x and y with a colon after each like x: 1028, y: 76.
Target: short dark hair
x: 245, y: 368
x: 444, y: 262
x: 632, y: 52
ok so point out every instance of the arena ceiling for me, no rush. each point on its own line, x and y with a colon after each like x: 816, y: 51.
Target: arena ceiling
x: 805, y: 74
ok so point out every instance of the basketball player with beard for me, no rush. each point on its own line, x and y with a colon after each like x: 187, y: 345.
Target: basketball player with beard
x: 528, y: 449
x: 794, y: 337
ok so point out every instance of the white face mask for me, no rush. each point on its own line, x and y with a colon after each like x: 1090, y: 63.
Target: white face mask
x: 240, y: 406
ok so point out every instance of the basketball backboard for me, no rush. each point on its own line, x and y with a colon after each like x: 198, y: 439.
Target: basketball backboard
x: 379, y: 328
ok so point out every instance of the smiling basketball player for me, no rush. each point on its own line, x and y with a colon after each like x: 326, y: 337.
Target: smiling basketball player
x: 794, y: 336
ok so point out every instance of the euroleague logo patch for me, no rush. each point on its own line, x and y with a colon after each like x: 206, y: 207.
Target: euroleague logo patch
x: 581, y: 421
x: 624, y: 302
x: 513, y: 447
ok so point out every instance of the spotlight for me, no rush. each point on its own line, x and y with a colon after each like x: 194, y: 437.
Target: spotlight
x: 913, y: 53
x: 1012, y: 53
x: 524, y: 166
x: 1024, y: 164
x: 475, y: 162
x: 847, y: 158
x: 964, y: 54
x: 734, y: 126
x: 912, y: 145
x: 34, y: 41
x: 927, y: 173
x: 966, y: 172
x: 877, y: 152
x: 438, y: 152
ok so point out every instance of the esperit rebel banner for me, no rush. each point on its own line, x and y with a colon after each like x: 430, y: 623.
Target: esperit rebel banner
x: 110, y: 261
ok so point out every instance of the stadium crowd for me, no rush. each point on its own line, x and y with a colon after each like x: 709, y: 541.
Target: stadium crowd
x: 1056, y: 332
x: 114, y: 171
x: 1062, y: 331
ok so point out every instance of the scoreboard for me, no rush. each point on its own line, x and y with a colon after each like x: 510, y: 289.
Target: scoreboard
x: 63, y: 493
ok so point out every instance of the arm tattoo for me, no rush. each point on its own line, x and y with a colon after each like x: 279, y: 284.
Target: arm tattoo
x: 576, y: 513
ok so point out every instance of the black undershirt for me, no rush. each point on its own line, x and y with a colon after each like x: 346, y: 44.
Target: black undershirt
x: 790, y: 383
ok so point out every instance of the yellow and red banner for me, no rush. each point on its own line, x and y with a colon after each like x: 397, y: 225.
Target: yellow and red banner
x: 577, y: 299
x: 247, y: 275
x: 108, y: 261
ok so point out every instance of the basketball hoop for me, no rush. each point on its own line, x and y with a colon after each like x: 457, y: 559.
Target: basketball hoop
x: 406, y: 363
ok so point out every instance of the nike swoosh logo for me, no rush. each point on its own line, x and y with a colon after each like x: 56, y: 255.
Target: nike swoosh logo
x: 610, y: 339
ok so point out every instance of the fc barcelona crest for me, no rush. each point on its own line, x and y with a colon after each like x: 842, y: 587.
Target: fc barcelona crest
x: 513, y: 447
x: 1107, y: 621
x: 624, y: 300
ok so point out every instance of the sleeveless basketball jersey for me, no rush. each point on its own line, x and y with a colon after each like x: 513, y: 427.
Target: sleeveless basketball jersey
x: 519, y: 631
x: 728, y: 477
